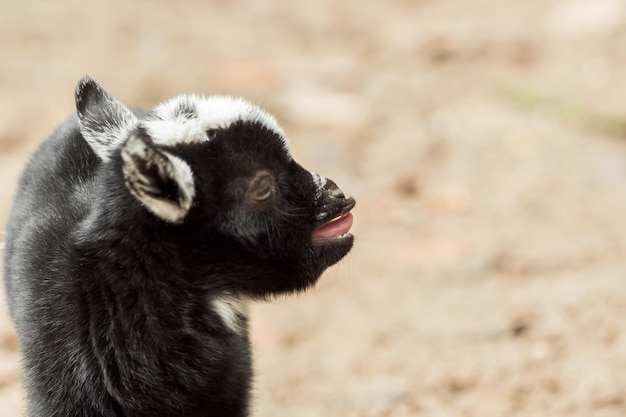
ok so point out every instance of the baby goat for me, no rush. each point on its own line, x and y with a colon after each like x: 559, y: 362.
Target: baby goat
x: 136, y: 239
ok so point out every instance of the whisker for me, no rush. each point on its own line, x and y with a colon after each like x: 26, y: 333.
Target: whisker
x: 287, y: 213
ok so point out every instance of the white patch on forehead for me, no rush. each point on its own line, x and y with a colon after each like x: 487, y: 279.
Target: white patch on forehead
x: 187, y: 118
x: 232, y: 310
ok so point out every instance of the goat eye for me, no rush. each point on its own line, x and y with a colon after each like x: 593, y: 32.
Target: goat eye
x: 264, y: 193
x: 261, y: 188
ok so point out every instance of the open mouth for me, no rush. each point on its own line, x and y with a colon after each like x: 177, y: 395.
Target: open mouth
x: 337, y: 228
x: 334, y: 219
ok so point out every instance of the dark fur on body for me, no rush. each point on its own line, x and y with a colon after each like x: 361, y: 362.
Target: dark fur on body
x: 112, y: 302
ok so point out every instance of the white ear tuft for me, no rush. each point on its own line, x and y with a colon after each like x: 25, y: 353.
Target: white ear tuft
x: 161, y: 181
x: 104, y: 121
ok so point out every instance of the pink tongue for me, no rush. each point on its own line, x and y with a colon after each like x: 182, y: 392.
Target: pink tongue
x: 335, y: 228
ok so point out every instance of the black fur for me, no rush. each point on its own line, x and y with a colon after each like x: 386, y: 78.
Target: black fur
x: 113, y: 303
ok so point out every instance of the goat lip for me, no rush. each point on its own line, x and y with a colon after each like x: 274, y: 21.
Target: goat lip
x: 336, y: 228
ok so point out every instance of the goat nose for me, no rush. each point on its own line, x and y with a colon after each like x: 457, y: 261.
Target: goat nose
x: 334, y: 191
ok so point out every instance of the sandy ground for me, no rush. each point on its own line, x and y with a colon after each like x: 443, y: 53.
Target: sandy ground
x: 483, y: 139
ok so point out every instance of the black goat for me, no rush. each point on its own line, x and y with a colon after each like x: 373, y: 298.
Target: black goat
x: 136, y: 240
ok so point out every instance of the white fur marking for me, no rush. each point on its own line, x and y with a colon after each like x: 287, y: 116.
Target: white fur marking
x: 230, y: 309
x: 167, y: 127
x: 320, y: 182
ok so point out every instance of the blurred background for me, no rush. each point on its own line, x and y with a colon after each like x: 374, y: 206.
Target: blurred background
x: 484, y: 140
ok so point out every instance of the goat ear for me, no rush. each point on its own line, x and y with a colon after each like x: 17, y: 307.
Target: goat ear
x: 104, y: 122
x: 159, y: 180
